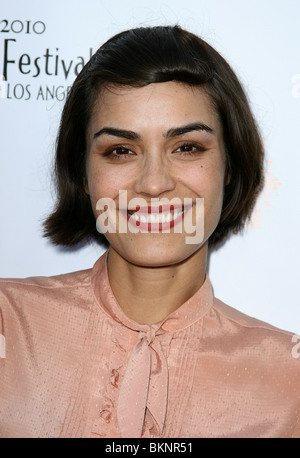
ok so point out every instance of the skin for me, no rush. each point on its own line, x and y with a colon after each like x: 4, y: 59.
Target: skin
x: 152, y: 274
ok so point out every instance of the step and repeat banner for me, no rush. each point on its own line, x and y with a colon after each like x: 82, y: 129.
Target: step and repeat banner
x: 43, y: 47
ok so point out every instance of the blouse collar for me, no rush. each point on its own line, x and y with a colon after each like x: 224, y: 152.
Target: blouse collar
x: 188, y: 313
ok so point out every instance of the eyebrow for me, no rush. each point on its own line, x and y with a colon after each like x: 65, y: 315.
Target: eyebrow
x: 173, y: 132
x: 189, y: 128
x: 117, y: 133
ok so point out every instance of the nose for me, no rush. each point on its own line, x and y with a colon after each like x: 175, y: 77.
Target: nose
x: 155, y: 177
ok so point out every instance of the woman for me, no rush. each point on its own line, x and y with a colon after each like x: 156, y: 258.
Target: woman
x: 158, y: 157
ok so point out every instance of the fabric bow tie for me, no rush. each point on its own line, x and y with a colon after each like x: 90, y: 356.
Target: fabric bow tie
x: 145, y: 385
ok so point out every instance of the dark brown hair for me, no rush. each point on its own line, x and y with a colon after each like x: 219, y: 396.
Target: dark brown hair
x: 139, y: 57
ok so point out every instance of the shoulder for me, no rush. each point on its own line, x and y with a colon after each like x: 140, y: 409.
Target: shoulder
x: 259, y: 338
x: 50, y: 282
x: 41, y: 299
x: 238, y: 318
x: 14, y: 288
x: 43, y: 316
x: 28, y: 297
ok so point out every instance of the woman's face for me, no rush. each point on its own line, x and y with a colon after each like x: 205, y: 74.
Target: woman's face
x: 159, y: 144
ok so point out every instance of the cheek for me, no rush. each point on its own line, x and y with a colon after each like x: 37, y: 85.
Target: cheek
x: 206, y: 180
x: 213, y: 201
x: 103, y: 183
x: 214, y: 192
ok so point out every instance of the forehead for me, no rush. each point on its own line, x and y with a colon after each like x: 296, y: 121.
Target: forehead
x: 155, y: 106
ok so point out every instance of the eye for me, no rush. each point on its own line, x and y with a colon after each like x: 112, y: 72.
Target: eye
x: 189, y: 149
x: 118, y: 152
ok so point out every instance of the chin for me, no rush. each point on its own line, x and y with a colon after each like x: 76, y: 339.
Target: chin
x: 160, y: 256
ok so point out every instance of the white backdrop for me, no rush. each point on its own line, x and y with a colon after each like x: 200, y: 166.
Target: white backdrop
x: 44, y: 44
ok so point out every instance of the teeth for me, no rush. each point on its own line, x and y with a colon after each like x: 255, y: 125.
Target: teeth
x: 152, y: 218
x: 168, y: 217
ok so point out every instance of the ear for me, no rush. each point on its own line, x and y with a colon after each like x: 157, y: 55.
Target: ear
x: 228, y: 173
x: 85, y: 186
x: 227, y: 178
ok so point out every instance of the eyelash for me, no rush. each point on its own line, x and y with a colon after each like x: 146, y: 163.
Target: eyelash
x: 198, y: 149
x: 110, y: 152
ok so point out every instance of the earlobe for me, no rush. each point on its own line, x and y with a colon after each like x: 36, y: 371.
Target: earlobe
x: 85, y: 186
x: 227, y: 179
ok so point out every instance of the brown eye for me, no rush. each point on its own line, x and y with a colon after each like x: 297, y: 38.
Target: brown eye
x: 188, y: 149
x: 120, y: 150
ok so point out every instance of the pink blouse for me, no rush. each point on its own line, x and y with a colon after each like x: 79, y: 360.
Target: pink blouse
x: 76, y: 366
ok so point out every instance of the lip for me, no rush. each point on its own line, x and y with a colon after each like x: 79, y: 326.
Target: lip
x: 155, y: 218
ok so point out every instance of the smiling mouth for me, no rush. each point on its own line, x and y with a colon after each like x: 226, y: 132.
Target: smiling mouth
x: 155, y: 218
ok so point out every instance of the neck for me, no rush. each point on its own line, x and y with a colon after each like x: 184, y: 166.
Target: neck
x: 148, y: 295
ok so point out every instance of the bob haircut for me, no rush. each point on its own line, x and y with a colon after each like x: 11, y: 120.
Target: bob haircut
x: 136, y: 58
